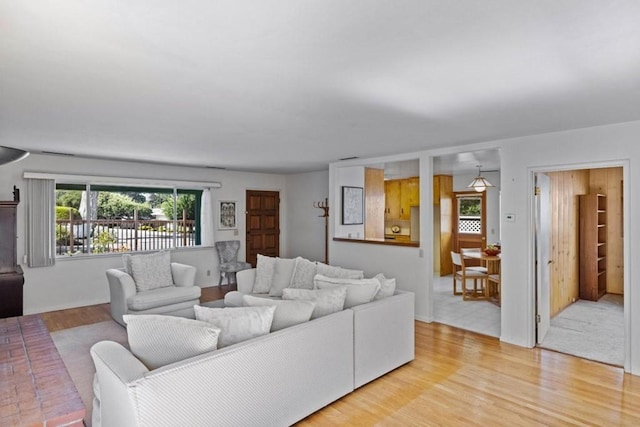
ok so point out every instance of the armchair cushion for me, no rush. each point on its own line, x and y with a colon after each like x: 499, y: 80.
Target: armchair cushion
x: 161, y: 297
x: 150, y: 271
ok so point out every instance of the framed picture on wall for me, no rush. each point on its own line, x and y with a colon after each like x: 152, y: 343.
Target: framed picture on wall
x: 228, y: 215
x: 352, y: 205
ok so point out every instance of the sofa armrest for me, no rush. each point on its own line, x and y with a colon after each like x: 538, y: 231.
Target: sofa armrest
x: 384, y: 336
x: 245, y: 279
x: 183, y: 275
x: 121, y: 287
x: 116, y: 369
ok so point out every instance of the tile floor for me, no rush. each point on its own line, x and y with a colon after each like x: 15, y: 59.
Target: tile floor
x: 477, y: 316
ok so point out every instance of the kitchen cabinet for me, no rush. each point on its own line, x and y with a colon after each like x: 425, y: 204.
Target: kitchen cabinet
x: 392, y: 199
x: 400, y: 196
x: 409, y: 196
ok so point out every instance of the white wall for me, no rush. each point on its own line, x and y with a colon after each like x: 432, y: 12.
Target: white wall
x: 520, y: 157
x: 302, y: 191
x: 352, y: 177
x: 409, y: 265
x: 81, y: 281
x: 583, y: 148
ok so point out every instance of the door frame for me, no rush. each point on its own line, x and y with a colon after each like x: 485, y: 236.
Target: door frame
x: 625, y: 165
x: 483, y: 218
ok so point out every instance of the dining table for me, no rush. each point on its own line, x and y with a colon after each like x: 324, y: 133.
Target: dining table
x: 492, y: 263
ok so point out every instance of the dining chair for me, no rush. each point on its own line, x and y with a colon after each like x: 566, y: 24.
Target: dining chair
x: 463, y: 274
x: 494, y: 281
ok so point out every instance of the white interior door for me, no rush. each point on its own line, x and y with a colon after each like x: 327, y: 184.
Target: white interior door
x: 543, y: 242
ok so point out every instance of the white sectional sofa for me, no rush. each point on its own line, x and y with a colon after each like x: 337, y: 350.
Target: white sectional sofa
x: 272, y: 380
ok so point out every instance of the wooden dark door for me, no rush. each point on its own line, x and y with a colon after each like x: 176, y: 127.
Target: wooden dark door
x: 263, y: 224
x: 469, y: 220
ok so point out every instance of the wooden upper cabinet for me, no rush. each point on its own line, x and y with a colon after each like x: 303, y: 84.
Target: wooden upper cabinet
x: 400, y: 195
x: 409, y: 196
x: 392, y: 199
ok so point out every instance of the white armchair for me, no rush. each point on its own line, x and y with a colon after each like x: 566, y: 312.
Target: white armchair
x: 178, y: 299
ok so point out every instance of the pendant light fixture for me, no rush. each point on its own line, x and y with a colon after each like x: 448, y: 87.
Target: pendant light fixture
x: 480, y: 183
x: 9, y: 155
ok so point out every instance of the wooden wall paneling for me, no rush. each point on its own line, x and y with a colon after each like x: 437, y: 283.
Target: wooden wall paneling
x: 446, y: 224
x: 374, y: 201
x: 564, y: 272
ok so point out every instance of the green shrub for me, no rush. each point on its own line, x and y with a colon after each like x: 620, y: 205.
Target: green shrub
x: 103, y: 242
x: 62, y: 212
x: 62, y: 236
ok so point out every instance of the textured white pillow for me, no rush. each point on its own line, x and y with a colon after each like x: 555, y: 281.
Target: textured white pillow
x: 264, y: 274
x: 158, y: 340
x: 151, y: 271
x: 288, y: 313
x: 333, y: 271
x: 282, y: 276
x: 237, y: 323
x: 327, y: 301
x: 359, y: 291
x: 303, y: 274
x: 387, y: 286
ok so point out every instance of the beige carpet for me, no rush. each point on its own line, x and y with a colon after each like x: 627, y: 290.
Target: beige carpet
x: 591, y: 330
x: 74, y: 345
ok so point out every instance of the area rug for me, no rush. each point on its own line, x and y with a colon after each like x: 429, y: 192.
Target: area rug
x: 591, y: 330
x: 74, y: 344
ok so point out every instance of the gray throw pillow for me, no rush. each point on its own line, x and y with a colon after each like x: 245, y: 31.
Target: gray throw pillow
x: 359, y: 291
x: 151, y: 271
x: 281, y: 276
x: 303, y: 273
x: 288, y: 313
x: 327, y: 301
x: 237, y: 323
x: 157, y: 340
x: 265, y: 268
x: 387, y: 286
x: 333, y: 271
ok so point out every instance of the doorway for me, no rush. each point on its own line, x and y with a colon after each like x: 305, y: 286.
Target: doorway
x: 263, y: 224
x: 481, y: 226
x: 580, y: 263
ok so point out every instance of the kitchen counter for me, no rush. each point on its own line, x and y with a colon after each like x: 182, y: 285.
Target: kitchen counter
x: 386, y: 241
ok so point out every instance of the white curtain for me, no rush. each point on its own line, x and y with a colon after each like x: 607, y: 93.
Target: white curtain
x: 41, y: 222
x: 206, y: 219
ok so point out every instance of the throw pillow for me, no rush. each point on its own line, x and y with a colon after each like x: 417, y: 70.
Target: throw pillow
x: 303, y: 274
x: 158, y: 340
x: 327, y: 301
x: 281, y: 276
x: 333, y: 271
x: 359, y: 291
x: 264, y: 274
x: 288, y: 313
x: 237, y: 323
x: 387, y: 286
x: 151, y: 271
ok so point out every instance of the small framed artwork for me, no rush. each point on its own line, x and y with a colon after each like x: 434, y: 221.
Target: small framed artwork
x: 228, y: 215
x: 352, y: 205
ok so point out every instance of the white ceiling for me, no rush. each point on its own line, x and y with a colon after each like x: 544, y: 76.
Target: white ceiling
x: 291, y: 85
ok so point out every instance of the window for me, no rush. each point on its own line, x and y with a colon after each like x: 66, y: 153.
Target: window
x: 470, y: 214
x: 95, y: 219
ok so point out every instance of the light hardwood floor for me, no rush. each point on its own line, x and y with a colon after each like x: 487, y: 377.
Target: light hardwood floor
x: 461, y: 378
